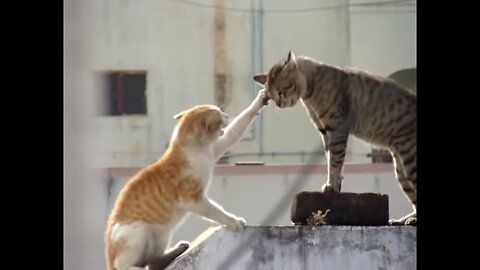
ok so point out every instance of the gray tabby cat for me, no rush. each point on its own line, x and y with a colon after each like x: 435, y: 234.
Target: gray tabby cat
x: 344, y: 101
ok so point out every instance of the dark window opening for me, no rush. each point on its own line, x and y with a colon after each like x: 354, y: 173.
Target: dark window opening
x: 125, y: 93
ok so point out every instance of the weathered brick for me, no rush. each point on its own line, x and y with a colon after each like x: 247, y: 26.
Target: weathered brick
x: 358, y: 209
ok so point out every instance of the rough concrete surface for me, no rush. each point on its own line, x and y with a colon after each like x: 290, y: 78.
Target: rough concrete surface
x: 302, y: 247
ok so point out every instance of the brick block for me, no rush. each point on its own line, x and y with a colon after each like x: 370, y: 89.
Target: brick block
x: 358, y: 209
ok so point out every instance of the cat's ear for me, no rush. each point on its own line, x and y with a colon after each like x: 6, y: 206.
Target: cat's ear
x: 260, y: 78
x: 178, y: 115
x: 291, y: 62
x: 291, y: 57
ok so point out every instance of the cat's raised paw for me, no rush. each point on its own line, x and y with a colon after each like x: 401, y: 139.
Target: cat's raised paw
x: 327, y: 187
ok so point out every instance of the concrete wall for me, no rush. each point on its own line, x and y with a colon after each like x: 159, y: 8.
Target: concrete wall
x: 84, y: 190
x: 382, y: 41
x: 182, y: 46
x: 303, y: 247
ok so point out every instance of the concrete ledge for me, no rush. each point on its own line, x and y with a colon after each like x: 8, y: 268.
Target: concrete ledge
x: 229, y: 170
x: 302, y: 247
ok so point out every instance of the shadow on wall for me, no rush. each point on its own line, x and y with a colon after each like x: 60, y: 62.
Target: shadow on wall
x: 407, y: 78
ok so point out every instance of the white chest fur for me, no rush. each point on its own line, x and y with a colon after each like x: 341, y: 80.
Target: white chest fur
x: 201, y: 163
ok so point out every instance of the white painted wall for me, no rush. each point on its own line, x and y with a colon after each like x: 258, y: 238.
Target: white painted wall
x: 84, y: 190
x: 173, y: 42
x: 382, y: 41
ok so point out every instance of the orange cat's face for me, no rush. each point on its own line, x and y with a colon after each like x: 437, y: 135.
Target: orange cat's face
x: 202, y: 123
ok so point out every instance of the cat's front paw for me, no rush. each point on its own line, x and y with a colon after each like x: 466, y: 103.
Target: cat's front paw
x: 328, y: 187
x: 182, y: 245
x: 260, y: 101
x: 236, y: 224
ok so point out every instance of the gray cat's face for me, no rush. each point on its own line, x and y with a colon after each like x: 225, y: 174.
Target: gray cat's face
x: 284, y: 83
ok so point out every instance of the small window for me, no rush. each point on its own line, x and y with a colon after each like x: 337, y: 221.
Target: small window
x: 125, y: 93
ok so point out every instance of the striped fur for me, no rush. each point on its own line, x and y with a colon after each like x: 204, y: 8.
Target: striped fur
x: 152, y: 204
x: 344, y: 101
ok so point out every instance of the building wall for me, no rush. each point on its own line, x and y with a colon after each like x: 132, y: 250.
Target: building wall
x: 177, y: 44
x: 84, y: 190
x: 180, y: 46
x: 382, y: 41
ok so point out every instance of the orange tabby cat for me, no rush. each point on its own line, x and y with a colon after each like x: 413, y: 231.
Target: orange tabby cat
x: 158, y: 197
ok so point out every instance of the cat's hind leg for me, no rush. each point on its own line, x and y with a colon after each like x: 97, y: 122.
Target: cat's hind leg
x: 410, y: 219
x: 130, y: 241
x: 405, y: 158
x: 171, y: 254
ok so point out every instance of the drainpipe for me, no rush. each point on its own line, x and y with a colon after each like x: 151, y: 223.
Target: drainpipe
x: 253, y: 34
x: 260, y: 59
x: 257, y: 64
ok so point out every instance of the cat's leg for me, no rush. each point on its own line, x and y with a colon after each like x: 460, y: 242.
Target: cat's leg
x: 127, y: 260
x: 130, y: 240
x: 213, y: 211
x: 406, y: 171
x: 319, y: 126
x: 324, y: 133
x: 406, y: 187
x: 336, y: 144
x: 166, y: 258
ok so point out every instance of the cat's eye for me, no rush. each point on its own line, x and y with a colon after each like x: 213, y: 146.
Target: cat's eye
x: 288, y: 86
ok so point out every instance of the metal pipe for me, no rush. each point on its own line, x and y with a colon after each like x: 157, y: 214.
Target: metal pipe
x: 253, y: 34
x: 260, y: 59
